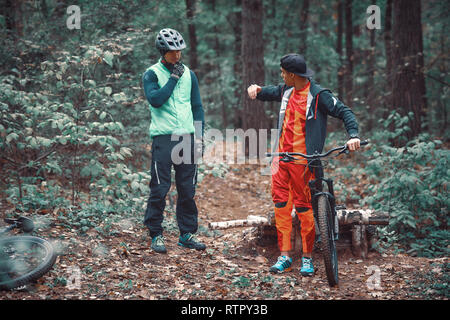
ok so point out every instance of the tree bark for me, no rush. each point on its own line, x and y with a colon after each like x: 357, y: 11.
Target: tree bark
x: 253, y: 63
x: 340, y: 32
x: 388, y: 52
x: 13, y: 17
x: 408, y: 63
x: 303, y: 26
x: 372, y: 111
x: 237, y: 66
x: 44, y: 9
x: 442, y: 111
x: 217, y: 49
x: 274, y: 73
x: 349, y: 53
x: 190, y: 12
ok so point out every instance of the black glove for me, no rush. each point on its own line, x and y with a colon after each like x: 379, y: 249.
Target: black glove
x: 178, y: 70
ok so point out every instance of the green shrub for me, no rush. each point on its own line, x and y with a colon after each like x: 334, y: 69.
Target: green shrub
x: 411, y: 183
x: 62, y: 141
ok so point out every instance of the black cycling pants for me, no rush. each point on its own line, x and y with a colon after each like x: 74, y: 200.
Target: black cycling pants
x: 185, y: 179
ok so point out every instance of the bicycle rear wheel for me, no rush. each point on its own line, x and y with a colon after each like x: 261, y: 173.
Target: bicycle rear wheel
x: 328, y: 245
x: 24, y: 259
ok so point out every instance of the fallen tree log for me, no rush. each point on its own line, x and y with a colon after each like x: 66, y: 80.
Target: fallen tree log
x: 353, y: 230
x: 345, y: 217
x: 366, y: 217
x: 251, y: 221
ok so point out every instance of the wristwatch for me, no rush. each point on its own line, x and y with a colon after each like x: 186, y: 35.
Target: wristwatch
x: 353, y: 136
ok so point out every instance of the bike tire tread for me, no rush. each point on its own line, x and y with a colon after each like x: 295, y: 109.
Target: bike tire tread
x: 324, y: 209
x: 48, y: 262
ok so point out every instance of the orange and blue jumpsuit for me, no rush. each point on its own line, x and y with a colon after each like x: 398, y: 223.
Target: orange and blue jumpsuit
x: 302, y: 128
x: 289, y: 179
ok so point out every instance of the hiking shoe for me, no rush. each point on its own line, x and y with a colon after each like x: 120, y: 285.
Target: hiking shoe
x: 158, y: 244
x: 283, y: 265
x: 190, y: 241
x: 307, y: 268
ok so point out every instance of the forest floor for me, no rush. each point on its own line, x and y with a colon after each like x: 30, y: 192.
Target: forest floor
x: 121, y: 265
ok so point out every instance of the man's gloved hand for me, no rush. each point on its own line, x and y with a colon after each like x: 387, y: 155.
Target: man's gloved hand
x: 178, y: 70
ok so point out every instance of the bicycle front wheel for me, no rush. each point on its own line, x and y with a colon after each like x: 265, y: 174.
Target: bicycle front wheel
x: 24, y: 259
x: 328, y: 245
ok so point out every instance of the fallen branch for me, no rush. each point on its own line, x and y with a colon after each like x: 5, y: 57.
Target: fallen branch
x: 357, y: 220
x: 249, y: 222
x: 367, y: 217
x: 345, y: 217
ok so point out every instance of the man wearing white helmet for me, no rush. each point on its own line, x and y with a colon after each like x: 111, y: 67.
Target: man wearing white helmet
x: 175, y: 104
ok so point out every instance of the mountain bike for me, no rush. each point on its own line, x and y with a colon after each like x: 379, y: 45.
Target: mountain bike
x: 23, y: 259
x: 324, y: 206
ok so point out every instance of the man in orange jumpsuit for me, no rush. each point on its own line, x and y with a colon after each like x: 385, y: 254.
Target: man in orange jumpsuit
x: 302, y: 128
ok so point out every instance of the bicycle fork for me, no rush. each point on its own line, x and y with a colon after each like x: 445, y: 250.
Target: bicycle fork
x: 316, y: 187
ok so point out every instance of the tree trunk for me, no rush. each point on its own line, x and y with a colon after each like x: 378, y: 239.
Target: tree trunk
x: 44, y: 9
x: 340, y: 32
x: 237, y: 66
x: 303, y: 26
x: 274, y: 73
x: 190, y: 12
x: 408, y: 63
x: 372, y: 110
x: 388, y: 49
x: 349, y: 53
x: 217, y: 50
x: 253, y: 63
x: 442, y: 111
x: 13, y: 17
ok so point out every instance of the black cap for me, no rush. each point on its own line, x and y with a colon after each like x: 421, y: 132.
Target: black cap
x: 296, y: 64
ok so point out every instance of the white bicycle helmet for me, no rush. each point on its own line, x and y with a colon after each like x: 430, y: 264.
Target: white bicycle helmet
x: 169, y: 39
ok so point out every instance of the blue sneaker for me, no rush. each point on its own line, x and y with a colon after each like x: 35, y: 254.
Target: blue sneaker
x: 158, y: 244
x: 189, y: 240
x: 307, y: 268
x: 283, y: 265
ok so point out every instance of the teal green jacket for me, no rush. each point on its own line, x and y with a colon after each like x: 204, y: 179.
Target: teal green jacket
x: 174, y: 103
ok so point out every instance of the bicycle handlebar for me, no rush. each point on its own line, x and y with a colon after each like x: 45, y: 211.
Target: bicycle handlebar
x: 289, y: 155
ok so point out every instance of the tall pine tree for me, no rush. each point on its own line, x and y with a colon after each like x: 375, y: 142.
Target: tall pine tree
x: 408, y: 63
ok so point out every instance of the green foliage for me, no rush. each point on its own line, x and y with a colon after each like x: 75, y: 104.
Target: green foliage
x: 411, y: 183
x: 434, y: 283
x: 60, y: 138
x: 74, y: 120
x: 242, y: 282
x: 43, y: 197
